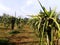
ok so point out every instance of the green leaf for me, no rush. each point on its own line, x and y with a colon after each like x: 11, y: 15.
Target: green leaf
x: 56, y: 24
x: 36, y: 23
x: 45, y: 11
x: 52, y: 12
x: 39, y: 25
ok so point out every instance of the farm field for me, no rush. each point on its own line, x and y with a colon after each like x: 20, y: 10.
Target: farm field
x: 25, y: 37
x: 42, y: 28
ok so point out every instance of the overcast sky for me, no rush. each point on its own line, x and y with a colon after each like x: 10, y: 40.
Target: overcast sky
x: 26, y: 7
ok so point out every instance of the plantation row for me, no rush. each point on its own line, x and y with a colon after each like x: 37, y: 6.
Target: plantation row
x: 9, y: 21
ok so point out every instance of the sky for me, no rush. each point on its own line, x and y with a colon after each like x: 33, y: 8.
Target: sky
x: 26, y: 7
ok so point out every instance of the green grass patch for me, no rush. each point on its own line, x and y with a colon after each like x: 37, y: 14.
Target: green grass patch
x: 14, y: 32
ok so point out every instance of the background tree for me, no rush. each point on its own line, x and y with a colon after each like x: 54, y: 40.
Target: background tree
x: 6, y: 20
x: 13, y: 22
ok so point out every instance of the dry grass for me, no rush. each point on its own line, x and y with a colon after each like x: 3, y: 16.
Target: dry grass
x: 25, y: 37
